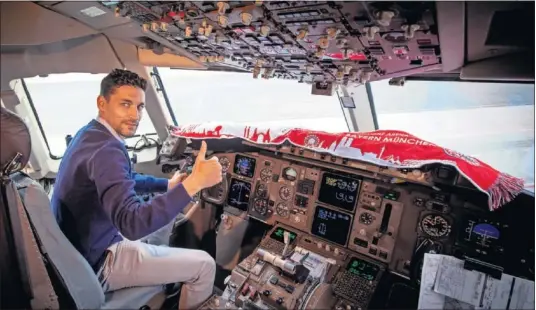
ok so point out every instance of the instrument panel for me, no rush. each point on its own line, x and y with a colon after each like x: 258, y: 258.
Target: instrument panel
x: 341, y: 207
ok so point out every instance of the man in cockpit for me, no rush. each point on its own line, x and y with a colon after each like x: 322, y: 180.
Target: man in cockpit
x: 98, y: 210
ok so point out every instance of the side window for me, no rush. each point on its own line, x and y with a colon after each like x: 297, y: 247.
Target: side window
x: 64, y: 103
x: 493, y: 122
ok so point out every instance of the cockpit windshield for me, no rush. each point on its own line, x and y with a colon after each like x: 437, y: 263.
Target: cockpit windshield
x: 491, y: 121
x: 208, y: 96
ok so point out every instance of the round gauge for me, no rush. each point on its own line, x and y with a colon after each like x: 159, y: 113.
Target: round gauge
x: 224, y: 162
x: 260, y: 206
x: 435, y: 225
x: 290, y: 174
x: 366, y: 218
x: 262, y: 190
x: 266, y: 174
x: 285, y: 193
x: 282, y: 210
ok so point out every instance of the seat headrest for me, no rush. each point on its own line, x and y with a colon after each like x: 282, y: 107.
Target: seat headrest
x: 14, y: 138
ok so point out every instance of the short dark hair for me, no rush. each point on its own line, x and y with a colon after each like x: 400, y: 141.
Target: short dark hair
x: 121, y: 77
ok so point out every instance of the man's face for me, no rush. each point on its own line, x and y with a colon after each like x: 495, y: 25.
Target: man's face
x: 123, y: 109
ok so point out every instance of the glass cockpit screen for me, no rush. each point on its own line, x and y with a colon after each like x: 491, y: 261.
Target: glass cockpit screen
x: 339, y: 191
x: 331, y: 225
x: 244, y: 166
x: 239, y: 192
x: 362, y: 269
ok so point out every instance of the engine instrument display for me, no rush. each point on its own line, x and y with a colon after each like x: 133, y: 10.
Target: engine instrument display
x: 239, y: 193
x: 435, y: 225
x: 279, y: 233
x: 363, y: 269
x: 339, y: 191
x: 244, y: 166
x: 331, y: 225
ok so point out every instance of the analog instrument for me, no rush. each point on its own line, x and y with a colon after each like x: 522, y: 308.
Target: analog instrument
x: 266, y: 174
x: 290, y: 174
x: 435, y: 225
x: 366, y: 218
x: 285, y: 193
x: 282, y: 209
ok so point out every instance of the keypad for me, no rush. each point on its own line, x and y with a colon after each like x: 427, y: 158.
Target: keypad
x: 353, y: 288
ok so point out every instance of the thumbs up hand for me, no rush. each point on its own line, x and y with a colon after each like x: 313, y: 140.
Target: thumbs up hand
x: 205, y: 173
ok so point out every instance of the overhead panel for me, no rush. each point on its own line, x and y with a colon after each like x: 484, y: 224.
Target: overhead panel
x: 317, y: 42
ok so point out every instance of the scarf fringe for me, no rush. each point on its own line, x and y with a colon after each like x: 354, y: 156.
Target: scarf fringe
x: 504, y: 190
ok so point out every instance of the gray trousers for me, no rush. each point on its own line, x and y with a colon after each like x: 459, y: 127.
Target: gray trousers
x: 137, y: 263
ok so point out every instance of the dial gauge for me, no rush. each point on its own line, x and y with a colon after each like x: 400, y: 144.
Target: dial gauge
x: 266, y: 174
x: 290, y: 174
x: 285, y: 193
x: 262, y: 190
x: 261, y: 206
x: 224, y: 162
x: 282, y: 210
x: 366, y: 218
x: 435, y: 225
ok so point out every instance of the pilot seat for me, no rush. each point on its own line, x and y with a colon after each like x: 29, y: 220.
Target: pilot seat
x: 40, y: 267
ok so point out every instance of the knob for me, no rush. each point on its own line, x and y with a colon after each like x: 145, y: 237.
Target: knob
x: 222, y: 7
x: 217, y: 302
x: 265, y: 30
x: 332, y: 33
x: 363, y: 232
x: 323, y: 42
x: 370, y: 32
x: 327, y: 247
x: 267, y: 293
x: 246, y: 18
x: 279, y: 301
x: 319, y: 245
x: 223, y: 20
x: 409, y: 30
x: 302, y: 34
x: 336, y: 251
x: 384, y: 17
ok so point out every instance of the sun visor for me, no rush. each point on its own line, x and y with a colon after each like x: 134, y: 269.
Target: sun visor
x: 150, y: 59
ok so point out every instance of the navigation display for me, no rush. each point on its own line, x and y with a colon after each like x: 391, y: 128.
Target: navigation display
x: 331, y: 225
x: 244, y: 166
x: 239, y: 192
x: 339, y: 191
x: 278, y: 235
x: 363, y: 269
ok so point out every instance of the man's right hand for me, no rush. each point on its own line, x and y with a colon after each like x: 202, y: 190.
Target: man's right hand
x: 205, y: 173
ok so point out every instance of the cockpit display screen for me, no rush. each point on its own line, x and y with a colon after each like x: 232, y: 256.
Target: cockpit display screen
x: 239, y: 192
x: 339, y: 191
x: 279, y: 233
x: 331, y: 225
x: 244, y: 166
x: 362, y: 269
x: 484, y: 235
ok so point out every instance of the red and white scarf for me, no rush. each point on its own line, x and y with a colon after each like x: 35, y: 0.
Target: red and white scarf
x: 389, y: 148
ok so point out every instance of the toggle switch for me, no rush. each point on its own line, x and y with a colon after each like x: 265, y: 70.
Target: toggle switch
x: 370, y: 32
x: 302, y: 33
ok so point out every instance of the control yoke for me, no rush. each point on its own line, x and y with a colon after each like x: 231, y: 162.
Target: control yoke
x: 205, y: 194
